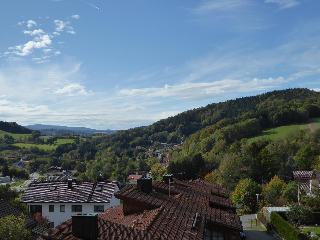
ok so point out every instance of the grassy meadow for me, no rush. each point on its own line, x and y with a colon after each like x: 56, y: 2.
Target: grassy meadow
x: 285, y: 131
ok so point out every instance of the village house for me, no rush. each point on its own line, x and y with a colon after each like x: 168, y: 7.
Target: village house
x: 59, y: 201
x: 133, y: 178
x: 308, y: 181
x: 170, y: 209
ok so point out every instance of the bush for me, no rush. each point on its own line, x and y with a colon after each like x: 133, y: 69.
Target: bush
x: 299, y: 215
x: 284, y: 228
x: 13, y: 228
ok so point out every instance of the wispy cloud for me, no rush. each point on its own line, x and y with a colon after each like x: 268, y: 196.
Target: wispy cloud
x: 75, y: 16
x: 284, y: 4
x: 203, y: 90
x: 207, y: 6
x: 63, y: 26
x: 72, y: 89
x: 91, y: 4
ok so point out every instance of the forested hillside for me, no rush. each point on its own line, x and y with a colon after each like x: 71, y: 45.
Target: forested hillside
x: 208, y: 134
x: 13, y: 127
x: 215, y: 142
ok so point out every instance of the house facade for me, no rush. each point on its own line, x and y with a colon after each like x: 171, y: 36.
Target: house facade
x: 59, y: 201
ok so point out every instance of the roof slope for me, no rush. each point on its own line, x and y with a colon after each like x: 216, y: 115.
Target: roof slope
x: 58, y: 192
x: 182, y: 215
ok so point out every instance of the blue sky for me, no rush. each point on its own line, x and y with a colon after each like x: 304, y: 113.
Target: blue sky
x: 124, y: 63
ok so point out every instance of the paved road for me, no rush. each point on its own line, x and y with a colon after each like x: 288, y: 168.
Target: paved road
x: 253, y: 229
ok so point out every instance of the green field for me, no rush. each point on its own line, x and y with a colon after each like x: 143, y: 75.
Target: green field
x: 61, y: 141
x: 285, y: 131
x: 45, y: 147
x: 16, y: 136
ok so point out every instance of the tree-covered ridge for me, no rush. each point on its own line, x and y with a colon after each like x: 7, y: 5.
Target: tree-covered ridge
x: 13, y: 127
x: 259, y: 112
x: 271, y: 109
x: 206, y: 133
x: 223, y: 153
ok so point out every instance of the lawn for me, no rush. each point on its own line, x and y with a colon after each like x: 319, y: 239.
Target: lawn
x: 285, y: 131
x: 316, y: 230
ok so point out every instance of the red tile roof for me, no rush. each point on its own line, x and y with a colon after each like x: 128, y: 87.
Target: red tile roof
x: 134, y: 177
x: 183, y: 215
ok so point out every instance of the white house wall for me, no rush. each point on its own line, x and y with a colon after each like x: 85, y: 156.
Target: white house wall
x: 58, y: 217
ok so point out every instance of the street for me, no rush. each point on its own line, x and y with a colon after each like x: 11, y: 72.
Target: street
x: 254, y: 230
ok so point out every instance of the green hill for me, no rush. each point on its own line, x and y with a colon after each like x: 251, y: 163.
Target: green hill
x: 207, y: 135
x: 13, y: 127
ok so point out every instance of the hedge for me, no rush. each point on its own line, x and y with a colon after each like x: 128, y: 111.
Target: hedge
x: 284, y: 228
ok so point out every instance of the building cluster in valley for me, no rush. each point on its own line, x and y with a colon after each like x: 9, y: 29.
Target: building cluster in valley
x: 169, y: 209
x: 162, y: 151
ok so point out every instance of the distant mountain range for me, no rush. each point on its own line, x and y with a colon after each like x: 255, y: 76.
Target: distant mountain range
x: 63, y: 130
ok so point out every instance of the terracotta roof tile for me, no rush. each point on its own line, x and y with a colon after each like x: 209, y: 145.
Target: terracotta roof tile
x: 183, y: 215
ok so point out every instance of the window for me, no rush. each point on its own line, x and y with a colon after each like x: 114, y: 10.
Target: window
x: 76, y: 208
x: 51, y: 208
x: 62, y: 208
x: 98, y: 208
x: 35, y: 209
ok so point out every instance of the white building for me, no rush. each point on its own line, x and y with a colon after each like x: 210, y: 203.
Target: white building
x: 59, y: 201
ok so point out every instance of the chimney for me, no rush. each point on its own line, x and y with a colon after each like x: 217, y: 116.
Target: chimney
x: 144, y: 184
x: 167, y: 178
x: 85, y: 227
x: 69, y: 183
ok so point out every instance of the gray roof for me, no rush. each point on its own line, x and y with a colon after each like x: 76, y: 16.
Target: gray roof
x: 58, y: 192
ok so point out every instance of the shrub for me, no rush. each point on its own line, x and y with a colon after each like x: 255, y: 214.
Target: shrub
x: 299, y: 215
x: 284, y: 228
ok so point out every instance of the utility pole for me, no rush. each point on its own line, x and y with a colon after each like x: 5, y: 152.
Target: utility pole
x: 298, y: 193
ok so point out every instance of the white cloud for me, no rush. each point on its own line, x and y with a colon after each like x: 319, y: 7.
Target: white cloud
x: 26, y: 49
x: 219, y: 5
x: 62, y: 26
x: 35, y: 32
x: 31, y: 23
x: 40, y: 39
x: 203, y: 90
x: 316, y: 89
x: 283, y: 4
x: 75, y: 16
x: 72, y: 89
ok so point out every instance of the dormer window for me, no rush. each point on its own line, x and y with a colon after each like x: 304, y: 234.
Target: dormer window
x: 99, y: 188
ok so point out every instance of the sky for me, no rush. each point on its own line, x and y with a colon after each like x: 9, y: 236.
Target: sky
x: 117, y: 64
